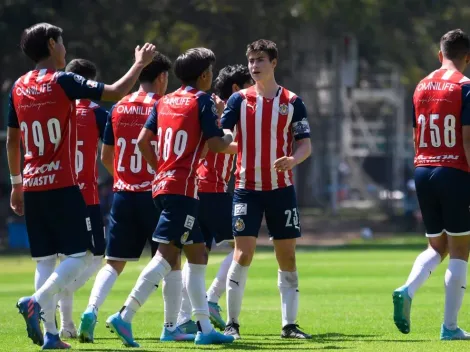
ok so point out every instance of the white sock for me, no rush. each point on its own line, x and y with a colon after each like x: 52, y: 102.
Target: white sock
x: 456, y: 283
x: 184, y: 314
x: 195, y: 282
x: 104, y: 281
x: 87, y: 274
x: 66, y: 308
x: 236, y: 281
x: 147, y: 283
x: 288, y: 283
x: 44, y: 269
x: 218, y: 286
x: 423, y: 267
x: 63, y: 276
x: 172, y: 290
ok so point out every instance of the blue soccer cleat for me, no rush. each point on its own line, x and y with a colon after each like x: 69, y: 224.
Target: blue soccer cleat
x: 457, y: 334
x: 87, y: 326
x: 216, y: 319
x: 189, y: 327
x: 402, y: 309
x: 123, y: 329
x: 212, y: 338
x: 31, y: 312
x: 176, y: 335
x: 53, y: 342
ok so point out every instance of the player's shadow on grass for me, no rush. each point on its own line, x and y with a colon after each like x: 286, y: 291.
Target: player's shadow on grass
x: 338, y: 337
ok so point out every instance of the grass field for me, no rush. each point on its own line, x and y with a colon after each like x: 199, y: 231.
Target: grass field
x: 345, y: 304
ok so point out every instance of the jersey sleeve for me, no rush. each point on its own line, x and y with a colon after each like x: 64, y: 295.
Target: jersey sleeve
x: 151, y: 123
x: 300, y: 126
x: 12, y: 117
x: 231, y: 113
x: 108, y: 137
x: 466, y: 104
x: 101, y: 116
x: 78, y: 87
x: 208, y: 117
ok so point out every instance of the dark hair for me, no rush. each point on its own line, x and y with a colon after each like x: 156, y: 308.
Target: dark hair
x: 159, y: 64
x: 82, y: 67
x: 229, y: 75
x: 263, y: 45
x: 455, y: 44
x: 34, y: 40
x: 190, y: 65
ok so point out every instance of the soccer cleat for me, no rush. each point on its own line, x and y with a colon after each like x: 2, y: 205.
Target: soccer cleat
x: 212, y: 338
x: 123, y: 329
x: 232, y: 329
x: 401, y: 309
x: 68, y: 331
x: 216, y: 319
x: 31, y: 312
x: 176, y: 335
x: 53, y: 342
x: 189, y: 327
x: 457, y: 334
x: 292, y: 331
x: 87, y: 326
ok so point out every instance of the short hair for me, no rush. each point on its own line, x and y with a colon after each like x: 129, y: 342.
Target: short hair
x: 229, y: 75
x: 190, y: 65
x: 159, y: 64
x: 263, y: 45
x: 455, y: 44
x: 82, y: 67
x: 34, y: 40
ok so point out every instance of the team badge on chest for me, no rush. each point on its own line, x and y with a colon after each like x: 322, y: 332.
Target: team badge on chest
x: 283, y: 109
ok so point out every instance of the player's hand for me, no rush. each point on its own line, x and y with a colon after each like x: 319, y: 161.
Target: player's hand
x: 145, y: 54
x: 284, y: 164
x: 219, y: 104
x: 17, y: 200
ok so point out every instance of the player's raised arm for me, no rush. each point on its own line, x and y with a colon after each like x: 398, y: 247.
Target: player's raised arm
x: 301, y: 132
x: 107, y: 149
x: 146, y: 136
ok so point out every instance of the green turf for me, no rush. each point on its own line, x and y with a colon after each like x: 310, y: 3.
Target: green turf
x: 345, y: 303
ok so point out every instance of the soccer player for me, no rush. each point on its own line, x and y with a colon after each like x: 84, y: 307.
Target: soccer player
x: 42, y: 116
x: 215, y: 203
x: 183, y: 122
x: 91, y: 120
x: 268, y: 118
x: 133, y: 218
x: 441, y: 136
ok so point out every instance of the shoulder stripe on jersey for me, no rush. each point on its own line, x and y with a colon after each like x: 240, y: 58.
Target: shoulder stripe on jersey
x: 447, y: 75
x: 133, y: 97
x: 93, y: 105
x: 27, y: 77
x: 77, y: 101
x: 464, y: 79
x: 41, y: 75
x: 148, y: 98
x: 431, y: 75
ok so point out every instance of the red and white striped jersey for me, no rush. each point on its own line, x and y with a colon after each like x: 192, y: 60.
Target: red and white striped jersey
x: 125, y: 121
x: 266, y: 129
x: 91, y: 121
x: 42, y: 105
x: 214, y: 171
x: 183, y: 121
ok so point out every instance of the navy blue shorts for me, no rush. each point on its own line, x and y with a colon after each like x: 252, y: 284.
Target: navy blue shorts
x: 279, y: 206
x: 444, y: 198
x: 57, y: 222
x: 215, y: 217
x: 97, y: 229
x: 132, y: 220
x: 178, y: 220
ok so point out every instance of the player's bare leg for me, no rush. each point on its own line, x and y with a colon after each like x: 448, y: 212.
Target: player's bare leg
x: 245, y: 247
x: 104, y: 282
x: 288, y: 283
x: 423, y: 267
x: 456, y: 284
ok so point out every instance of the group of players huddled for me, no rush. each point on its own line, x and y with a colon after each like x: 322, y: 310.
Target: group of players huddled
x: 171, y: 156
